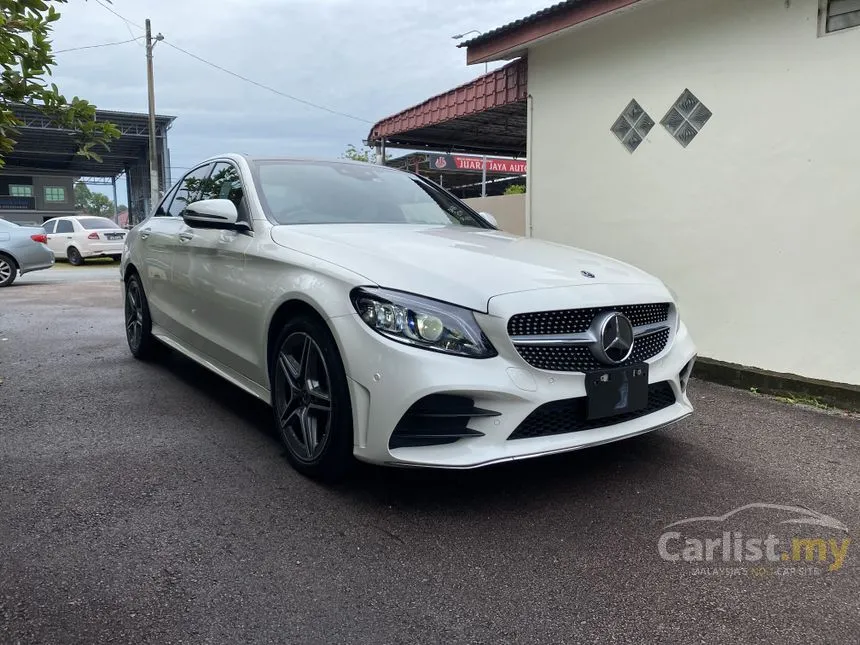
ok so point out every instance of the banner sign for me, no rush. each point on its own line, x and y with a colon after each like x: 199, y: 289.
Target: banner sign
x: 469, y: 163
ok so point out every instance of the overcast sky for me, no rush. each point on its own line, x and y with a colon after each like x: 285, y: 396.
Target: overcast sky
x: 368, y: 58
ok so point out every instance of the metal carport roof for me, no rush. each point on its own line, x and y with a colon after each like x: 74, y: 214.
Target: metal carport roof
x: 43, y: 147
x: 484, y: 116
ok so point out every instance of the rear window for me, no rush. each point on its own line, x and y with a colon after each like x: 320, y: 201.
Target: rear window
x: 92, y: 223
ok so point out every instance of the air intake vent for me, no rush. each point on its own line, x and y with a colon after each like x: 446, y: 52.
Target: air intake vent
x: 436, y: 420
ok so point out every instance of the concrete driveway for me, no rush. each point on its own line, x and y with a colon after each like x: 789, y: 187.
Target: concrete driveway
x: 151, y: 503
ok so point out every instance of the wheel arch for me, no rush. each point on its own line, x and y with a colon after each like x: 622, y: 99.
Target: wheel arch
x: 12, y: 257
x: 291, y: 308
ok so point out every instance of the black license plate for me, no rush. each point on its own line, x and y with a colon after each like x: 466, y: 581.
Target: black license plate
x: 617, y: 390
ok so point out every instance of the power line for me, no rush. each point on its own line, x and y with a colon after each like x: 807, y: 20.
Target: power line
x: 266, y: 87
x: 239, y: 76
x: 123, y: 18
x: 74, y: 49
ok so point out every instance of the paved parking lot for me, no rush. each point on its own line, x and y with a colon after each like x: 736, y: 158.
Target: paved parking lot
x: 152, y: 504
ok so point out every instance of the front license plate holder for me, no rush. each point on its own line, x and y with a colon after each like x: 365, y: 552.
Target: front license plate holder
x: 616, y: 390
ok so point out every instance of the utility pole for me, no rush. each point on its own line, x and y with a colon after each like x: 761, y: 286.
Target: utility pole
x: 153, y: 152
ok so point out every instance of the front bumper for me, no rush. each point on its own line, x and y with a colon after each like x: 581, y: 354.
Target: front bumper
x: 386, y: 378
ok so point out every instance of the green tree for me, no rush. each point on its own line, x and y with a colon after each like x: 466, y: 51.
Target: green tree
x: 100, y: 205
x: 26, y: 60
x: 83, y: 194
x: 515, y: 189
x: 364, y: 154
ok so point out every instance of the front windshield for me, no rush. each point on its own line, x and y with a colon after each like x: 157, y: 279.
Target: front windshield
x: 309, y: 192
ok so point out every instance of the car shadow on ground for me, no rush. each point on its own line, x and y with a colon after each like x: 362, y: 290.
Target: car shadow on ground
x: 514, y: 482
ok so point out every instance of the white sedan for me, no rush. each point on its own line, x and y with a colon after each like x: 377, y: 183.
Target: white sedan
x: 385, y: 320
x: 76, y: 238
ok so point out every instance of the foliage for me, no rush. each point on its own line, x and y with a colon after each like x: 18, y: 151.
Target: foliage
x: 364, y: 154
x: 83, y: 194
x: 26, y: 59
x: 515, y: 189
x: 101, y: 205
x: 92, y: 203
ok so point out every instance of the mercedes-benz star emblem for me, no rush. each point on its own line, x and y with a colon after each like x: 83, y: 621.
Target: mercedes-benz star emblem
x: 614, y: 338
x: 587, y: 274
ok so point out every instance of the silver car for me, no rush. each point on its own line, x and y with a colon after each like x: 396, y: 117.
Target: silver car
x: 24, y: 249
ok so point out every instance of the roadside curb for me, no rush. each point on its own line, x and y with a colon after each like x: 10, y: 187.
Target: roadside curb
x: 838, y: 395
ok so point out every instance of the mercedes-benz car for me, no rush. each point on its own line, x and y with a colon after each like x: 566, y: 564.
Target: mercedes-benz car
x: 385, y: 320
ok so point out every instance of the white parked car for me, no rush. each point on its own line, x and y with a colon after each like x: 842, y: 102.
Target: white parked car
x: 383, y: 319
x: 76, y: 238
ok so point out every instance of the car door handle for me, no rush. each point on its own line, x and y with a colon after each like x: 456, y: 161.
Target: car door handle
x: 144, y: 233
x: 185, y: 236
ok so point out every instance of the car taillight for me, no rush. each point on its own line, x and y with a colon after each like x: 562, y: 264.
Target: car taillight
x: 93, y: 236
x: 39, y: 237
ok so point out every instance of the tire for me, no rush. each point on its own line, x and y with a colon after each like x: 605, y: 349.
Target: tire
x: 310, y: 400
x: 74, y: 256
x: 138, y: 324
x: 8, y: 270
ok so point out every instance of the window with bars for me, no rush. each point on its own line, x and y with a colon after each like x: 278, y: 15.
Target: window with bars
x: 20, y: 190
x: 836, y: 15
x: 55, y: 194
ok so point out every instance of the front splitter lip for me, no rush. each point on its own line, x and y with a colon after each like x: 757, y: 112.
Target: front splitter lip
x: 543, y: 453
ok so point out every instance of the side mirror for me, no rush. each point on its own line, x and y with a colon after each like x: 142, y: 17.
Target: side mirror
x: 211, y: 213
x: 490, y: 219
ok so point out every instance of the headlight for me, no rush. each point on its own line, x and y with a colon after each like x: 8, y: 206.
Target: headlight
x: 422, y: 322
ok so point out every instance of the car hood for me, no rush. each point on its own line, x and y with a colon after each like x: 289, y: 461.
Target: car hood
x: 461, y: 265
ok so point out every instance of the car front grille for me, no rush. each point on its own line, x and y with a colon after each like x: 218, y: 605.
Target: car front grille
x: 573, y: 321
x: 570, y: 415
x: 578, y: 358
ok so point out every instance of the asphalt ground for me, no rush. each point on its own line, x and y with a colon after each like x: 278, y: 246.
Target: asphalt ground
x: 152, y: 503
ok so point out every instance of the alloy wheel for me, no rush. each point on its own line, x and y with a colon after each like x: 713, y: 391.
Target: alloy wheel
x: 303, y: 397
x: 133, y: 314
x: 5, y: 270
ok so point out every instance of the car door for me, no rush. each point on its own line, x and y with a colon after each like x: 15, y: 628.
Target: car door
x: 62, y: 238
x: 152, y: 256
x: 50, y: 226
x: 214, y: 263
x: 161, y: 236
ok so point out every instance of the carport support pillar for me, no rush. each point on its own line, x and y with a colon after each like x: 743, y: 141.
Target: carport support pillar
x: 113, y: 184
x: 484, y: 176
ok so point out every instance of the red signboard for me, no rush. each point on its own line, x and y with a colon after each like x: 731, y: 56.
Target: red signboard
x: 475, y: 164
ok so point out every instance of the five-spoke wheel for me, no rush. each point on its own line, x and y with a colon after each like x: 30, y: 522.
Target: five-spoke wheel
x: 310, y: 400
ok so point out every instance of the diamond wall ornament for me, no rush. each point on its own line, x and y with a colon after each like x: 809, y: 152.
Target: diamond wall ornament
x: 632, y: 126
x: 686, y: 118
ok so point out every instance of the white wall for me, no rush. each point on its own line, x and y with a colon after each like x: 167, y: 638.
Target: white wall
x: 756, y: 225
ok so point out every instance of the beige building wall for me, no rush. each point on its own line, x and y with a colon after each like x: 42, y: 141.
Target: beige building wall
x: 756, y: 224
x: 509, y: 211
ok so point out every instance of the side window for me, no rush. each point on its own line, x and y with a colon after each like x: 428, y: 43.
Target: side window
x: 49, y: 226
x: 188, y: 190
x: 161, y: 211
x: 65, y: 226
x: 225, y: 183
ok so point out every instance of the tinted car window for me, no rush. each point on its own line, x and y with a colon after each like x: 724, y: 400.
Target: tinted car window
x: 189, y: 190
x: 49, y: 226
x: 65, y: 226
x: 302, y: 192
x: 96, y: 223
x: 162, y: 210
x: 225, y: 183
